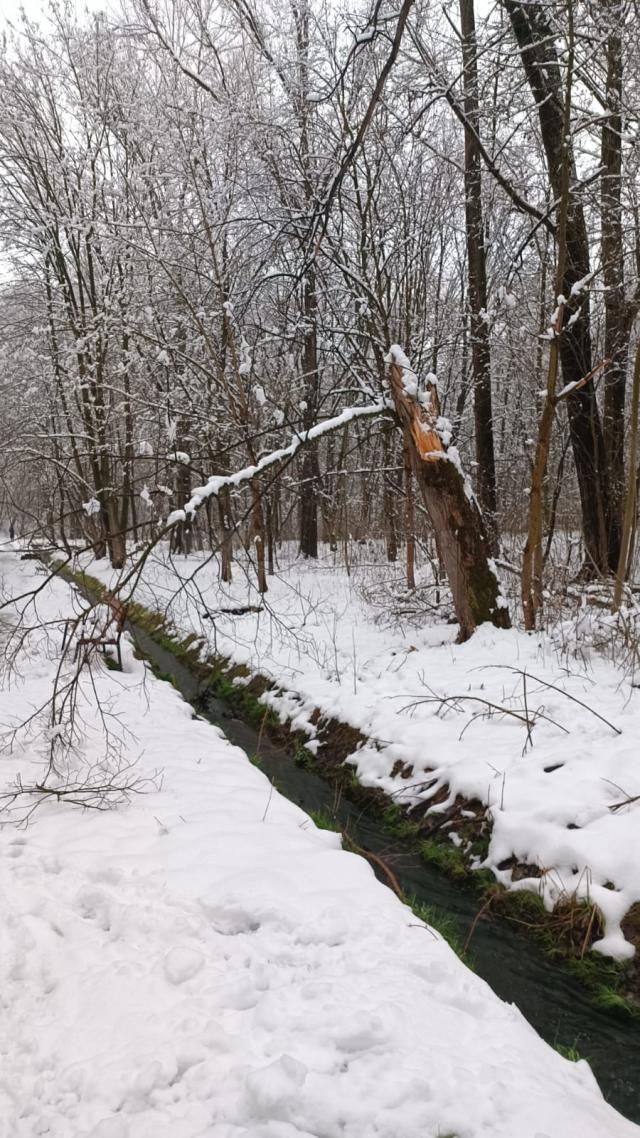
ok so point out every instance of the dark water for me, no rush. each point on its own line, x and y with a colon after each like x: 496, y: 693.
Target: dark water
x: 555, y: 1003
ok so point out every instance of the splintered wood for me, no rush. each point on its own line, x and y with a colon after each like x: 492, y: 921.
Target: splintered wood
x: 416, y: 418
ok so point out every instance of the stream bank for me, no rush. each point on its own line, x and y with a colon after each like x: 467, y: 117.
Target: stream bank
x: 555, y: 1002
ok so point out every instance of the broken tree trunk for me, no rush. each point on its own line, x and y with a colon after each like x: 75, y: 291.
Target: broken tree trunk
x: 453, y: 511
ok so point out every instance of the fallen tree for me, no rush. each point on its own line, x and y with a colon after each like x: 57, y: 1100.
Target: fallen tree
x: 453, y: 511
x: 457, y: 521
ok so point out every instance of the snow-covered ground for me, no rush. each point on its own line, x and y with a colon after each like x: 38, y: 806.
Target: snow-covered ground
x: 202, y: 962
x: 550, y: 793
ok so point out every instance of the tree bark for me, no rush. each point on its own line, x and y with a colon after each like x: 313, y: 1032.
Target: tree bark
x: 477, y: 276
x: 632, y: 492
x: 612, y: 247
x: 310, y: 463
x: 226, y: 542
x: 258, y: 535
x: 388, y: 502
x: 409, y: 517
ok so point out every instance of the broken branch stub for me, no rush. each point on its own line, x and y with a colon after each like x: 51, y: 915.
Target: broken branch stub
x: 452, y: 508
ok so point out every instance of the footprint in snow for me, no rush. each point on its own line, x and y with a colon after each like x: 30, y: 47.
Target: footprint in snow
x: 96, y: 906
x: 230, y: 920
x: 16, y: 847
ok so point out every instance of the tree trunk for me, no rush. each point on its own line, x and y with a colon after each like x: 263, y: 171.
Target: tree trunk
x: 532, y: 559
x: 453, y: 511
x: 309, y: 502
x: 631, y: 495
x: 116, y: 541
x: 258, y: 535
x: 226, y: 542
x: 409, y: 517
x: 612, y: 247
x: 310, y: 463
x: 477, y: 277
x: 182, y: 534
x: 388, y: 501
x: 536, y: 39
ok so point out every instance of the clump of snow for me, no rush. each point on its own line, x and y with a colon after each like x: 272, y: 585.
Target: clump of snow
x: 507, y: 298
x: 181, y: 964
x: 581, y: 285
x: 410, y: 380
x: 244, y: 367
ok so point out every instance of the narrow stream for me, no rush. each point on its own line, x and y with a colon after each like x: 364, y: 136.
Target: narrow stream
x: 554, y: 1002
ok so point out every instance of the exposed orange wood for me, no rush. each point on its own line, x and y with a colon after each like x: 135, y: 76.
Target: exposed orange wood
x: 418, y: 417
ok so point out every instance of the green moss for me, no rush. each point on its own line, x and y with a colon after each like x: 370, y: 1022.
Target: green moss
x: 521, y: 904
x: 160, y: 674
x: 446, y: 857
x: 598, y: 972
x: 246, y: 698
x: 325, y: 821
x: 442, y: 922
x: 397, y: 824
x: 301, y: 755
x: 559, y: 933
x: 607, y: 997
x: 570, y: 1053
x: 484, y: 879
x: 346, y: 777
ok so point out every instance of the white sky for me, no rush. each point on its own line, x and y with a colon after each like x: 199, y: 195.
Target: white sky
x: 10, y: 9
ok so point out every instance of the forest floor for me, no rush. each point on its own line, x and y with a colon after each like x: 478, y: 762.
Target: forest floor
x: 537, y: 733
x: 201, y: 961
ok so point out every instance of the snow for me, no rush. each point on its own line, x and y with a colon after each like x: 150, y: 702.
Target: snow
x: 567, y: 389
x: 580, y: 285
x: 181, y: 964
x: 323, y: 643
x: 204, y: 963
x: 506, y: 297
x: 217, y: 482
x: 246, y: 362
x: 410, y: 380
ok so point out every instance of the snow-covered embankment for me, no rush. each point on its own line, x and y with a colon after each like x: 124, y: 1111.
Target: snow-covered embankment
x: 204, y: 962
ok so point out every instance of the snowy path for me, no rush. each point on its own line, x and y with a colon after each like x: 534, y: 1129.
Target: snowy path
x: 205, y: 963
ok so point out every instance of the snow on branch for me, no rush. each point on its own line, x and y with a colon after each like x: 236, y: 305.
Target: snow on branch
x: 218, y: 482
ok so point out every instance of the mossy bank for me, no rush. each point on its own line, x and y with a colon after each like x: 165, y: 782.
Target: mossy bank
x: 566, y: 934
